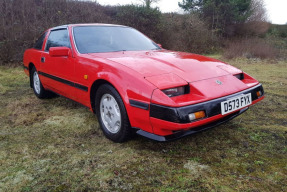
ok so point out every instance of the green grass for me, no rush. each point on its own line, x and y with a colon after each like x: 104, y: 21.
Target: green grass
x: 56, y: 145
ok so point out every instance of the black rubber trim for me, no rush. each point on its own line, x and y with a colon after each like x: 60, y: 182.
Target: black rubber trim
x: 139, y: 104
x: 70, y: 83
x: 26, y: 68
x: 84, y: 88
x: 211, y: 108
x: 181, y: 134
x: 59, y: 27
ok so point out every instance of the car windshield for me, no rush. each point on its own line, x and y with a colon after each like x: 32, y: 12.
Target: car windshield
x: 99, y: 39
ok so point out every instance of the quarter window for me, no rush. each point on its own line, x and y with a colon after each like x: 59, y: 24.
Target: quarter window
x: 39, y: 42
x: 58, y: 38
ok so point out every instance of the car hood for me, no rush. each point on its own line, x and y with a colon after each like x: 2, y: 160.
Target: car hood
x: 189, y: 67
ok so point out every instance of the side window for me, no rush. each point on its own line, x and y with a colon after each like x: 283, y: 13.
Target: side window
x: 58, y: 38
x: 39, y: 42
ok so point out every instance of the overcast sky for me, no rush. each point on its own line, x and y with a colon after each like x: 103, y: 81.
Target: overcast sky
x: 277, y: 9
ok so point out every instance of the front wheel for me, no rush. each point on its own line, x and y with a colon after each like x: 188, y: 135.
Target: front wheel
x: 111, y: 114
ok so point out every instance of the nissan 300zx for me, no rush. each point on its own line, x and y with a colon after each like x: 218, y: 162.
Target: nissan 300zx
x: 134, y: 85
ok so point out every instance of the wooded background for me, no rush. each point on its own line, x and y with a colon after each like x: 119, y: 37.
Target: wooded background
x: 235, y: 28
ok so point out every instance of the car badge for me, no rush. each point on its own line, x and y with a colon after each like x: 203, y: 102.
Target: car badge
x: 218, y: 82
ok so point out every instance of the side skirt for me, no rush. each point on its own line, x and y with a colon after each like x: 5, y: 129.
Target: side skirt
x: 69, y: 99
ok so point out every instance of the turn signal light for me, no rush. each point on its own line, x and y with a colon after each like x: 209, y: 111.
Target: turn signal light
x: 259, y: 93
x: 196, y: 115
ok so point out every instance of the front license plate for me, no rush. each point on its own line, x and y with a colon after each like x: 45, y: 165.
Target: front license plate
x: 235, y: 103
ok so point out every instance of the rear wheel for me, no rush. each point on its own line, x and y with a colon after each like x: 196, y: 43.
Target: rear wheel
x: 111, y: 114
x: 37, y: 86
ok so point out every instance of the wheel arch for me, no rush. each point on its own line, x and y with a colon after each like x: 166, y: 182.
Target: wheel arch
x: 129, y: 85
x: 95, y: 86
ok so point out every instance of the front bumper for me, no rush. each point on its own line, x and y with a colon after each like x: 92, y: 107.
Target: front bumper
x: 211, y: 108
x: 173, y: 122
x: 180, y: 134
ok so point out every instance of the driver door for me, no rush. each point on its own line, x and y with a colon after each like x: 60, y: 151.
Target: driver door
x: 58, y: 72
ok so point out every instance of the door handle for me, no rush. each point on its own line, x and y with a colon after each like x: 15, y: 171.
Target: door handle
x: 43, y: 59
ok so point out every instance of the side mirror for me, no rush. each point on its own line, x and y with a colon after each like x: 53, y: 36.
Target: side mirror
x: 59, y: 51
x: 159, y: 45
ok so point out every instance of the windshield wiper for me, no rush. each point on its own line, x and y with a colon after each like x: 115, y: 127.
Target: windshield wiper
x: 119, y: 50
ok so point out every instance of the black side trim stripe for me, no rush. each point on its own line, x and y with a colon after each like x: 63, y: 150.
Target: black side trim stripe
x: 139, y: 104
x: 70, y: 83
x: 78, y: 86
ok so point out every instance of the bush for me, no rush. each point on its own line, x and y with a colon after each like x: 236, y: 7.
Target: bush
x: 250, y: 48
x: 250, y: 29
x: 278, y: 31
x: 188, y: 33
x: 146, y: 20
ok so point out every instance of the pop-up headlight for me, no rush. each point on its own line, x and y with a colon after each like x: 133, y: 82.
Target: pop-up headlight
x: 239, y: 76
x: 176, y: 91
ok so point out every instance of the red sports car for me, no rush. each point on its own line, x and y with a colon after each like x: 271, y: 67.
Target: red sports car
x: 133, y: 85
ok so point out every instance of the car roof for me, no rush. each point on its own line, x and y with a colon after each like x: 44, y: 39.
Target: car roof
x: 86, y: 24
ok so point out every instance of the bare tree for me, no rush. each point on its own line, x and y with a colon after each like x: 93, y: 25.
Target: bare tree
x: 258, y: 11
x: 257, y: 23
x: 149, y: 2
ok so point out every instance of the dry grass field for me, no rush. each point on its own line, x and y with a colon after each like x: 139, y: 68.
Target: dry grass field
x: 56, y: 145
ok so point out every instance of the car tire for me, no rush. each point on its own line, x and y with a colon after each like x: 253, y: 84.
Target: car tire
x: 37, y: 86
x: 111, y: 114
